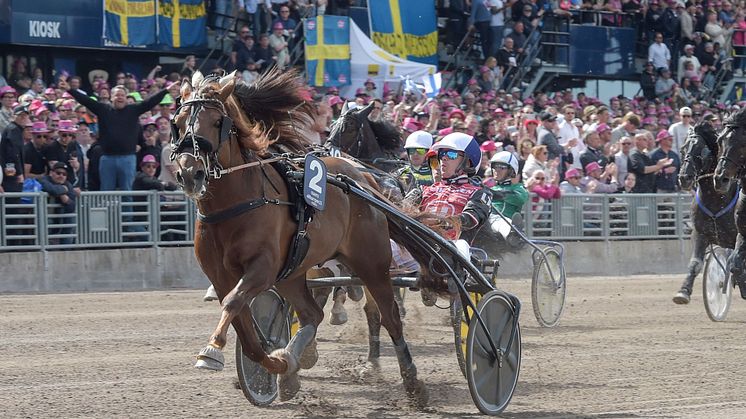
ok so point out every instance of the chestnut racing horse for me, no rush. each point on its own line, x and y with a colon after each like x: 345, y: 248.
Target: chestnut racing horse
x: 731, y: 169
x: 226, y: 138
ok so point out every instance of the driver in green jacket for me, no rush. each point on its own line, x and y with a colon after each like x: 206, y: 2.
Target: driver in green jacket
x: 508, y: 195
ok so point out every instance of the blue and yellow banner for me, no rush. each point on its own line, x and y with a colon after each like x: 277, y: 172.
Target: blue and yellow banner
x: 130, y: 22
x: 328, y: 50
x: 405, y: 28
x: 182, y: 23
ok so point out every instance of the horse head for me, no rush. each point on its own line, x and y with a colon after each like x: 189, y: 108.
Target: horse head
x: 732, y: 156
x: 698, y: 154
x: 351, y: 132
x: 200, y: 126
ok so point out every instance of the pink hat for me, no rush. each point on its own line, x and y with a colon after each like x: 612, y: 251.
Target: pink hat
x: 8, y: 90
x: 334, y: 100
x: 602, y: 128
x: 39, y: 127
x: 664, y: 121
x: 662, y: 134
x: 648, y: 121
x: 458, y: 112
x: 35, y: 104
x: 471, y: 82
x: 592, y: 166
x: 149, y: 158
x: 147, y: 121
x: 278, y: 25
x: 40, y: 110
x: 484, y: 69
x: 371, y: 82
x: 488, y: 146
x: 410, y: 122
x: 66, y: 125
x: 499, y: 111
x: 49, y: 91
x: 67, y: 95
x: 574, y: 172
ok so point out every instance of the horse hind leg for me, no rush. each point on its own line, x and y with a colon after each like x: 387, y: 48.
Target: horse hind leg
x: 379, y: 287
x: 373, y: 317
x: 301, y: 351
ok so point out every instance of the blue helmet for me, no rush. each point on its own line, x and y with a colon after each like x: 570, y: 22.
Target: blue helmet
x: 461, y: 142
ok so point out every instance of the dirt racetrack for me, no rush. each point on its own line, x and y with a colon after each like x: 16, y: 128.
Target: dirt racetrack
x: 622, y: 349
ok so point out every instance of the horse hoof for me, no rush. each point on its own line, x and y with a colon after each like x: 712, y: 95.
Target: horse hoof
x: 681, y: 297
x: 355, y: 292
x: 210, y: 295
x: 310, y: 356
x: 210, y: 358
x: 337, y: 319
x: 288, y: 385
x: 417, y: 393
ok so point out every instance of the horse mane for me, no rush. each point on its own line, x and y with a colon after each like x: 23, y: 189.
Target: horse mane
x: 387, y: 134
x: 736, y: 118
x: 276, y: 109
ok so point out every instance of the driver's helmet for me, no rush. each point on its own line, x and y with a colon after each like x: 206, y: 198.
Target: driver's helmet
x: 507, y: 158
x: 419, y: 139
x: 461, y: 142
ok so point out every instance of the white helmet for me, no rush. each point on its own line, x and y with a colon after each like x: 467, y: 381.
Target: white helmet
x: 419, y: 139
x: 461, y: 142
x: 506, y: 157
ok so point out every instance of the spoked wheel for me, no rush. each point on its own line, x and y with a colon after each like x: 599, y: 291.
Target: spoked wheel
x: 272, y: 325
x: 493, y: 381
x: 716, y: 284
x: 548, y: 288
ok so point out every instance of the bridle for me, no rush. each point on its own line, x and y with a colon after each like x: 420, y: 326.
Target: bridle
x: 338, y: 125
x: 724, y: 156
x: 209, y: 157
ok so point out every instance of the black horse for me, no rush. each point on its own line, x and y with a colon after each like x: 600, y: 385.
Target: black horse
x: 730, y: 170
x: 377, y: 143
x: 713, y: 212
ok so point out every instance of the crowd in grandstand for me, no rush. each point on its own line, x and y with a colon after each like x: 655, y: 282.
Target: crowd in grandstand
x: 62, y: 139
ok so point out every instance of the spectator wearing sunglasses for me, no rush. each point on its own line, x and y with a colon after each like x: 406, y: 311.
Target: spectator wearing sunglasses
x: 60, y: 191
x: 68, y: 151
x: 35, y: 163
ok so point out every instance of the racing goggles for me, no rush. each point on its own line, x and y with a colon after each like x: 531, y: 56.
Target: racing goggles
x: 496, y: 166
x: 418, y: 151
x: 450, y: 154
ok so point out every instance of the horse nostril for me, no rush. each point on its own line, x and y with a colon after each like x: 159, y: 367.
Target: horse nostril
x: 199, y: 175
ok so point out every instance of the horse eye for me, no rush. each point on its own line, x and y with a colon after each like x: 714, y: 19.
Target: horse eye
x: 217, y: 124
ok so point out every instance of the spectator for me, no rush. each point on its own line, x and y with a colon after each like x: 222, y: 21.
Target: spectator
x: 480, y: 20
x: 119, y: 133
x: 688, y: 57
x: 666, y: 179
x: 680, y: 130
x: 147, y: 180
x: 60, y: 192
x: 568, y: 131
x: 252, y: 11
x: 542, y: 191
x: 66, y: 150
x: 263, y: 54
x: 621, y: 158
x: 497, y: 23
x: 34, y: 162
x: 572, y: 184
x: 647, y: 81
x: 715, y: 30
x: 642, y: 165
x: 242, y: 52
x: 8, y: 97
x: 686, y: 20
x: 600, y: 180
x: 11, y: 151
x: 659, y: 54
x: 150, y: 145
x: 93, y: 155
x: 664, y: 85
x: 279, y: 46
x: 739, y: 43
x: 519, y: 37
x: 223, y: 16
x: 537, y: 160
x: 288, y: 24
x: 630, y: 180
x: 546, y: 136
x: 594, y: 151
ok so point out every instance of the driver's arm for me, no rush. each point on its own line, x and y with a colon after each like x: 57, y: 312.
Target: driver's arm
x: 477, y: 209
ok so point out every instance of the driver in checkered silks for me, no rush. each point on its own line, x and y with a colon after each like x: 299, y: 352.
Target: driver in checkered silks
x: 458, y: 200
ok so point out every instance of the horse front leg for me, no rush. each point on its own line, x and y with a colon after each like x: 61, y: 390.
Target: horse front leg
x: 373, y: 317
x: 683, y: 296
x: 211, y: 357
x: 737, y: 260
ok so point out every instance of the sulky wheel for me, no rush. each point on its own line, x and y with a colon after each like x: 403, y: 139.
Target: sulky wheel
x: 548, y: 288
x: 492, y: 380
x: 272, y: 325
x: 716, y: 284
x: 461, y: 328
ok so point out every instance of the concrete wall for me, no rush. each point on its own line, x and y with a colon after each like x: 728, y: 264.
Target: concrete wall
x: 164, y: 268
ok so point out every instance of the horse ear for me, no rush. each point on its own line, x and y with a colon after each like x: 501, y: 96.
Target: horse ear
x: 344, y: 108
x: 186, y: 89
x: 227, y: 84
x: 197, y: 78
x: 367, y: 110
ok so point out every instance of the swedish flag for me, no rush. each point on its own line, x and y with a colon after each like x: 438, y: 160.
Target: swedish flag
x: 130, y: 22
x: 328, y: 50
x: 182, y: 23
x: 407, y: 29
